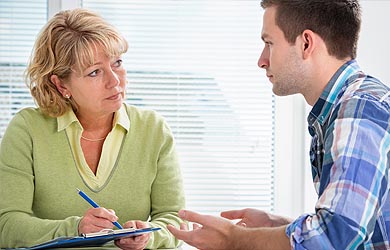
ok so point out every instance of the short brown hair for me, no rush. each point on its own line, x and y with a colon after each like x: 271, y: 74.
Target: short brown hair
x: 65, y: 44
x: 337, y: 22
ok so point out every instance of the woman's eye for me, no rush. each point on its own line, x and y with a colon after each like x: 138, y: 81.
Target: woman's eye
x: 93, y: 73
x: 118, y: 63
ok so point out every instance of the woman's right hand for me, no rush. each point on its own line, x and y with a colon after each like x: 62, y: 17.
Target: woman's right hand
x: 97, y: 219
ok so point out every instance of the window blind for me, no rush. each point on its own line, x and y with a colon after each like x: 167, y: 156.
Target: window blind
x: 195, y: 62
x: 20, y: 21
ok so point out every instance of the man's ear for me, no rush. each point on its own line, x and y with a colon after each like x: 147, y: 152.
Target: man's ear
x: 308, y: 40
x: 60, y: 86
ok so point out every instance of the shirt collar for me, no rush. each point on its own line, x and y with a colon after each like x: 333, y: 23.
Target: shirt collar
x: 321, y: 109
x: 66, y: 120
x: 120, y: 118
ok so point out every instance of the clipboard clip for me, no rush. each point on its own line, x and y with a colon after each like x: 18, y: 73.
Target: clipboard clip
x: 107, y: 231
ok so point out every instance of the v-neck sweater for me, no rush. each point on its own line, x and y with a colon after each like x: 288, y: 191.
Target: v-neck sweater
x: 38, y: 180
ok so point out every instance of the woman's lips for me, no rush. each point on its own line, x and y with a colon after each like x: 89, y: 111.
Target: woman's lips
x: 114, y: 97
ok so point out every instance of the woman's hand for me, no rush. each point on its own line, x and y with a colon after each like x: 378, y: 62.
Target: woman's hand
x: 137, y: 242
x: 97, y: 219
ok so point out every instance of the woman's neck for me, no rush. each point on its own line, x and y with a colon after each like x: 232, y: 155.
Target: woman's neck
x: 96, y: 125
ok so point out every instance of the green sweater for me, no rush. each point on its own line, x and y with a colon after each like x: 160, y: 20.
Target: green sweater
x: 38, y: 180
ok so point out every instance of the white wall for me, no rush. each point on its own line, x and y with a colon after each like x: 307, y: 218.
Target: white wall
x: 374, y: 43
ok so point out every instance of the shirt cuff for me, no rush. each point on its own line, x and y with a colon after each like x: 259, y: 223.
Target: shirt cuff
x: 295, y: 234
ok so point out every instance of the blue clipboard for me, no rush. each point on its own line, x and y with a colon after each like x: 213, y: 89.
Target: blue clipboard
x: 91, y: 240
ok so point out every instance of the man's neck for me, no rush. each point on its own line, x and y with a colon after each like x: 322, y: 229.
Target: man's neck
x: 321, y: 77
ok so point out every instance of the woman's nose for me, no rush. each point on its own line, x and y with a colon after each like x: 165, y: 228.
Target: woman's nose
x: 113, y: 79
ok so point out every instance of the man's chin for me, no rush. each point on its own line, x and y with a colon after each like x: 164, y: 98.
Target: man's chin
x: 282, y: 92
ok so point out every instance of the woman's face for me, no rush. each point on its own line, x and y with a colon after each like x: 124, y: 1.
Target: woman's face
x: 100, y: 89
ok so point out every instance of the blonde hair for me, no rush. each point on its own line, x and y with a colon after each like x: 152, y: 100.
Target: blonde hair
x: 65, y: 44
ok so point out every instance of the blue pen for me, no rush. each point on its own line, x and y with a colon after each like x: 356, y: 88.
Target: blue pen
x: 95, y: 205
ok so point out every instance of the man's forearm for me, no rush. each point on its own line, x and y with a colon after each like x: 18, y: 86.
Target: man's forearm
x: 263, y: 238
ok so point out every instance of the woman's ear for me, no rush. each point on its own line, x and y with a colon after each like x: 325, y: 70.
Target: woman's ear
x: 60, y: 86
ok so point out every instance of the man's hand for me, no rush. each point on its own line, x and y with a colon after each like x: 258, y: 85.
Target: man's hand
x: 210, y: 232
x: 218, y: 233
x: 255, y: 218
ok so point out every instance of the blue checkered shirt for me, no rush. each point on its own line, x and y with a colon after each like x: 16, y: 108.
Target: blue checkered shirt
x: 350, y: 160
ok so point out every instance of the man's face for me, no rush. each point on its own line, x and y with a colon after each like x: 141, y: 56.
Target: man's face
x: 282, y: 61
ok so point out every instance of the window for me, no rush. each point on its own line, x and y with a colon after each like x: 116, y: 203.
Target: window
x: 20, y: 21
x: 193, y: 61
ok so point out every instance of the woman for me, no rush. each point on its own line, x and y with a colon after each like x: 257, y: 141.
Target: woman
x: 83, y: 135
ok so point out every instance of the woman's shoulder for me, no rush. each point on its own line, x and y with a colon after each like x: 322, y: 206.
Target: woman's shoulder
x: 30, y: 120
x: 142, y: 113
x: 32, y: 113
x: 146, y: 119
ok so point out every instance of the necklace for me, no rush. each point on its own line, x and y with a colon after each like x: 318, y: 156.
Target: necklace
x: 93, y: 140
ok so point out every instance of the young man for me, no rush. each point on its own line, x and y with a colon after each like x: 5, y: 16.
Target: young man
x: 310, y: 48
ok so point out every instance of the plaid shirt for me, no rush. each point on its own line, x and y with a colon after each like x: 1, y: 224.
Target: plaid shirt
x: 350, y: 159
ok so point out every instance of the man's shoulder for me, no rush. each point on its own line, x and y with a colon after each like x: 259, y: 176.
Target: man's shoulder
x: 366, y: 89
x: 363, y: 98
